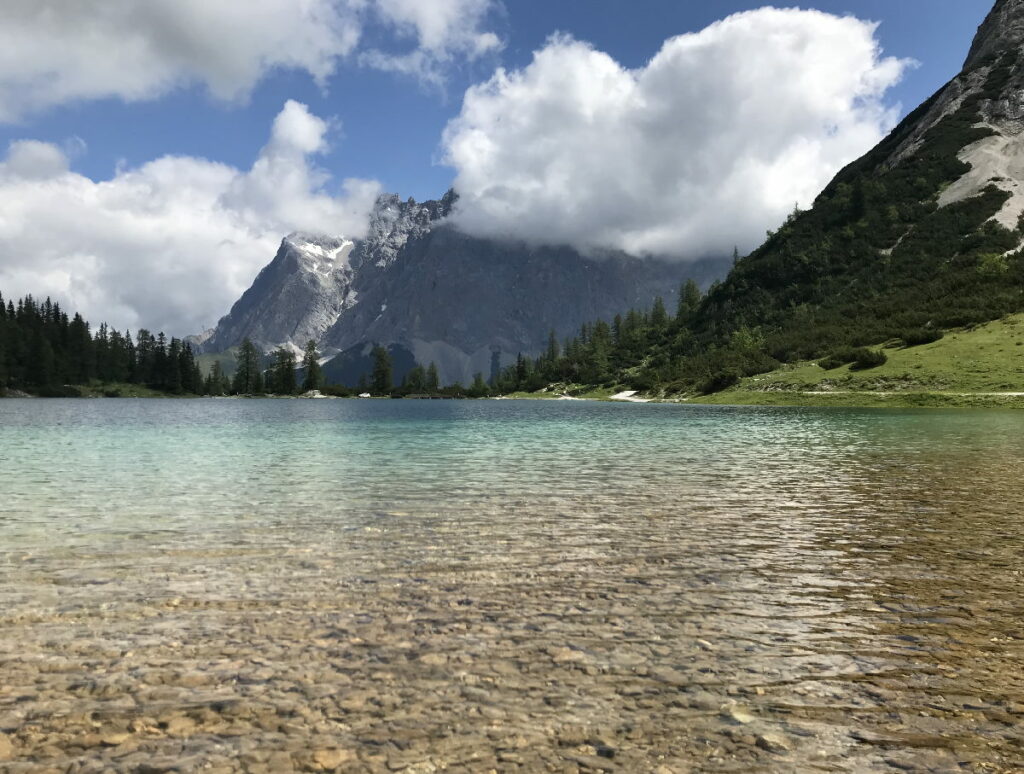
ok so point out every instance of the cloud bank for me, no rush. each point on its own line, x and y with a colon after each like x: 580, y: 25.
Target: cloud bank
x: 54, y: 51
x: 705, y: 147
x: 172, y: 244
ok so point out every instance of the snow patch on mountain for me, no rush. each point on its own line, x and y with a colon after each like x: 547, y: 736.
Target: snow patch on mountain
x: 321, y: 254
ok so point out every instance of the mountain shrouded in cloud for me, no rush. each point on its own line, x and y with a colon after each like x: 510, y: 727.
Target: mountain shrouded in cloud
x: 54, y: 52
x: 705, y: 147
x: 170, y: 244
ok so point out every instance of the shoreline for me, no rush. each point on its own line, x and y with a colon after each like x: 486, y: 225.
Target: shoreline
x: 944, y: 399
x: 774, y: 398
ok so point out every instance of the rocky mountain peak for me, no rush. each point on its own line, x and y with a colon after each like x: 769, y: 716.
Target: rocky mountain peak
x: 394, y: 222
x: 1002, y: 30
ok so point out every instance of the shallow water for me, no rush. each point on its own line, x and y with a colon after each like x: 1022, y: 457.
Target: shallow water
x: 429, y: 586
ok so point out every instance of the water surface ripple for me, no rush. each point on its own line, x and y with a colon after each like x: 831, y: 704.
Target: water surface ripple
x: 511, y: 586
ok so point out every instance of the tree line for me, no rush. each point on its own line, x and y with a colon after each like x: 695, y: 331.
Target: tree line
x: 45, y: 351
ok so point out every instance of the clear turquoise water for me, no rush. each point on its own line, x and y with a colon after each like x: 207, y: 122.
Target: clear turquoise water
x: 818, y: 550
x: 82, y: 468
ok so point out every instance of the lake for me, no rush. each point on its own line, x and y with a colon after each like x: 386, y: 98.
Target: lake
x: 268, y: 585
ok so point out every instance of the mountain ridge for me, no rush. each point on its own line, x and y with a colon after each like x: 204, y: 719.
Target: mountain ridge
x: 420, y: 286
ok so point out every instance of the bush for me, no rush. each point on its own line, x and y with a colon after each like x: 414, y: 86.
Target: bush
x: 919, y: 336
x: 865, y: 358
x: 722, y: 380
x: 838, y: 359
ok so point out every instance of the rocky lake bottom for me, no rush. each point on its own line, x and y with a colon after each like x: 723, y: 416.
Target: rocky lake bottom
x: 197, y: 586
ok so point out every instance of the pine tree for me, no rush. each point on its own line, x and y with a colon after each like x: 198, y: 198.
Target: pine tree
x: 659, y: 317
x: 190, y: 376
x: 381, y: 378
x: 433, y: 380
x: 172, y: 379
x: 216, y: 382
x: 41, y: 367
x: 314, y: 375
x: 415, y: 381
x: 689, y: 301
x: 479, y: 387
x: 282, y: 374
x: 248, y: 379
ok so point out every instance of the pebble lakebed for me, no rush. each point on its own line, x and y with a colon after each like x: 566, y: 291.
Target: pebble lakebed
x: 760, y: 626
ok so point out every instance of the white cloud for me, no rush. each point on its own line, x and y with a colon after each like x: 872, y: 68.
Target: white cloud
x: 704, y: 148
x: 442, y: 29
x: 54, y: 51
x: 172, y: 244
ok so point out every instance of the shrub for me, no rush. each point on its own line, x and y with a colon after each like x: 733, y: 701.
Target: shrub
x: 838, y: 358
x: 865, y: 358
x: 919, y: 336
x: 719, y: 381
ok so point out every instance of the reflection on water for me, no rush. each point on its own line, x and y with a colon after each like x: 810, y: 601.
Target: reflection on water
x: 426, y: 586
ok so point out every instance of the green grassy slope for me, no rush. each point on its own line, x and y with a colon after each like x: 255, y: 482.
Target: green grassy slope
x: 979, y: 365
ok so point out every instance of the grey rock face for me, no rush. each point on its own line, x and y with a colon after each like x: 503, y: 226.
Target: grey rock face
x: 999, y: 38
x: 454, y: 300
x: 1003, y: 29
x: 417, y: 284
x: 295, y: 298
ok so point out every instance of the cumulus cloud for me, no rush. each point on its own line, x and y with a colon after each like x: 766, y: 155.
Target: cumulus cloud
x: 169, y: 245
x: 54, y: 51
x: 705, y: 147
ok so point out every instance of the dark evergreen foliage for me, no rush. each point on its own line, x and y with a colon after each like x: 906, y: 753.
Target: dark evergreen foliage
x: 248, y: 378
x: 44, y: 352
x: 382, y: 379
x: 281, y: 379
x: 313, y: 375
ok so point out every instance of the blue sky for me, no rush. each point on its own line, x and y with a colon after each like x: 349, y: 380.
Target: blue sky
x: 391, y: 124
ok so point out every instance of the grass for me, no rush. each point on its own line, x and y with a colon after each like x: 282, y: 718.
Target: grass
x: 961, y: 369
x: 863, y: 400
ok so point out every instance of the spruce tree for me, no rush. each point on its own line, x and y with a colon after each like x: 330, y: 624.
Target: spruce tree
x: 689, y: 300
x: 381, y: 379
x: 282, y: 374
x: 314, y: 375
x: 415, y: 381
x: 659, y: 317
x: 216, y: 383
x: 248, y: 379
x: 479, y: 387
x: 433, y: 380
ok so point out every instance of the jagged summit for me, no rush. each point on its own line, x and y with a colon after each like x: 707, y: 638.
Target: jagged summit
x: 1002, y: 30
x: 394, y: 222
